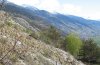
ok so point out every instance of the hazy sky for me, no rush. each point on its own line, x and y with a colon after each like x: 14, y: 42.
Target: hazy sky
x: 84, y: 8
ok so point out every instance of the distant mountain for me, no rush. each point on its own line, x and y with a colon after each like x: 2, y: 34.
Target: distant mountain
x: 70, y: 23
x: 66, y: 23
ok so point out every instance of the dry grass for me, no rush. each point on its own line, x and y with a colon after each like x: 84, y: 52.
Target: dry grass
x: 10, y: 34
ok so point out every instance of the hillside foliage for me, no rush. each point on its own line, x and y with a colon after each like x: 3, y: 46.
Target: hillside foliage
x: 16, y: 40
x: 85, y: 50
x: 73, y: 44
x: 90, y: 52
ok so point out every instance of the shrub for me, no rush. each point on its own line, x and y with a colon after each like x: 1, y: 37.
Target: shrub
x: 73, y: 44
x: 3, y: 40
x: 50, y: 35
x: 27, y: 31
x: 53, y: 33
x: 34, y: 35
x: 9, y: 23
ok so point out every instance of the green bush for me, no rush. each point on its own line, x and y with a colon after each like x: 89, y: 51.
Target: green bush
x: 73, y: 44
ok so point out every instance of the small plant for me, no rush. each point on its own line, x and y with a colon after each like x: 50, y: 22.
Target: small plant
x: 34, y: 35
x: 3, y: 40
x: 9, y: 23
x: 13, y: 57
x: 27, y: 31
x: 1, y: 25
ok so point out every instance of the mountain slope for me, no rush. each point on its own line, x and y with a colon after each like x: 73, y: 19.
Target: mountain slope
x: 25, y: 13
x: 67, y: 23
x: 18, y: 48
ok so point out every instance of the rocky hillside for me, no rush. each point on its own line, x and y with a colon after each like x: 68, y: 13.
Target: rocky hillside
x: 18, y: 48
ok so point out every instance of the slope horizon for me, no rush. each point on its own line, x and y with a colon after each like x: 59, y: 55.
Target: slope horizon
x: 77, y: 8
x: 29, y: 6
x: 35, y: 8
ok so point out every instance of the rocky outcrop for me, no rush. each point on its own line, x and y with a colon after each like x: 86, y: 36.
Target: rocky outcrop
x: 42, y: 54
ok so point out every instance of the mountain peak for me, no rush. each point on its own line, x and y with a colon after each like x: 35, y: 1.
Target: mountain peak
x: 30, y: 7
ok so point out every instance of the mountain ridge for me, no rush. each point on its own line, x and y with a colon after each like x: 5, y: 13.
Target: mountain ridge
x: 65, y: 23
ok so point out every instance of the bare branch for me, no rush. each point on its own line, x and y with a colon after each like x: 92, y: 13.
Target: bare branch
x: 8, y: 51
